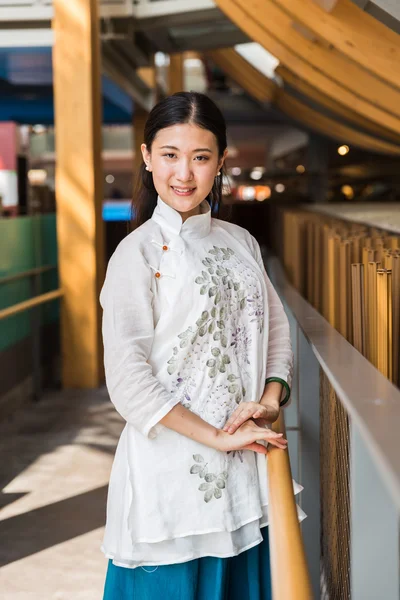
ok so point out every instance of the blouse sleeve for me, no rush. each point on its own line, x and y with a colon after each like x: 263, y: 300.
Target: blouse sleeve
x: 280, y: 354
x: 128, y: 332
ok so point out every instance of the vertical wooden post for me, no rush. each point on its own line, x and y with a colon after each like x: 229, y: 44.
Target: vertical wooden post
x: 176, y: 82
x: 148, y: 74
x: 139, y: 121
x: 79, y: 189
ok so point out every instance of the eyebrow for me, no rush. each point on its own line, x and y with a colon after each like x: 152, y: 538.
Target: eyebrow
x: 197, y: 149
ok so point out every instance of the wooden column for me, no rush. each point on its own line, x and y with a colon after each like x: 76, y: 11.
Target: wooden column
x: 176, y: 83
x: 139, y: 121
x: 140, y: 115
x: 79, y: 188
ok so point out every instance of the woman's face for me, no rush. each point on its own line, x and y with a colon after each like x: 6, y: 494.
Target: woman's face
x: 184, y: 162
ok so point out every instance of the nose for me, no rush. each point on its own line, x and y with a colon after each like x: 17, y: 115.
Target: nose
x: 184, y: 172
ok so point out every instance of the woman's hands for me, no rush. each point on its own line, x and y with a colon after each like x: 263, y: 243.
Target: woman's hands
x: 247, y: 426
x: 247, y: 436
x: 262, y: 414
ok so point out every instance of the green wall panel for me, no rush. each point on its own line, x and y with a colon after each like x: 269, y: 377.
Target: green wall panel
x: 26, y: 243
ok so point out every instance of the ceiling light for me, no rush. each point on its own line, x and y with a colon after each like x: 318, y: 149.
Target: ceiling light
x: 38, y: 129
x: 110, y: 179
x: 246, y: 192
x: 300, y: 168
x: 263, y: 192
x: 37, y: 176
x: 348, y: 191
x: 256, y: 175
x: 236, y: 171
x: 343, y: 150
x: 280, y: 188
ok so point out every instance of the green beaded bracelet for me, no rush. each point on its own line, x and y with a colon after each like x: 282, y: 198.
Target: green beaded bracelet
x: 285, y: 385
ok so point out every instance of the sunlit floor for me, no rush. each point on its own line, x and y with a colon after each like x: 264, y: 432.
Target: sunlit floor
x: 56, y: 458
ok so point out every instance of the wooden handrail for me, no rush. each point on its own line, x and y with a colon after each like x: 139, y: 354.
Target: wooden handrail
x: 24, y: 274
x: 31, y: 303
x: 290, y: 575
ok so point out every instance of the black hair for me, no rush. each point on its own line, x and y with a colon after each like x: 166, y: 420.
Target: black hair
x: 183, y: 107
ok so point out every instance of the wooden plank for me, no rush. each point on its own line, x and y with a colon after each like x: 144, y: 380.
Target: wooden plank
x: 355, y: 33
x: 148, y: 75
x: 176, y: 75
x: 261, y: 88
x: 351, y: 116
x: 396, y: 318
x: 323, y: 124
x: 11, y: 311
x: 248, y: 77
x: 139, y: 121
x: 79, y: 188
x: 312, y: 62
x: 327, y: 5
x: 27, y: 274
x: 372, y: 312
x: 357, y: 271
x: 384, y: 322
x: 324, y: 57
x: 285, y: 535
x: 345, y: 308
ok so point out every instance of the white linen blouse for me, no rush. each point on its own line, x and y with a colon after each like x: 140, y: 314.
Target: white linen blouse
x: 189, y: 316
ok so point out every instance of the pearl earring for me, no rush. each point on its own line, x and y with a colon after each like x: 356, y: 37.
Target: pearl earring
x: 219, y: 173
x: 147, y: 168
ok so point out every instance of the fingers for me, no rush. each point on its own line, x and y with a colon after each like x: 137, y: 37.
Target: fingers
x: 276, y: 439
x: 256, y: 448
x: 243, y: 413
x: 279, y: 442
x: 238, y: 420
x: 282, y: 444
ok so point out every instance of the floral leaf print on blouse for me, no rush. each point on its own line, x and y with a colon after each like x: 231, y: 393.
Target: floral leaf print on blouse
x: 222, y: 282
x: 218, y: 363
x: 183, y: 389
x: 213, y: 484
x: 220, y: 276
x: 257, y: 309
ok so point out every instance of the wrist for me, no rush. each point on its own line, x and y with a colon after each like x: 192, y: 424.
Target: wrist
x: 272, y: 402
x: 221, y: 438
x: 273, y: 407
x: 274, y: 384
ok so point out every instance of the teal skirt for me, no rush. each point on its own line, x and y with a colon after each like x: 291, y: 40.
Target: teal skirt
x: 243, y: 577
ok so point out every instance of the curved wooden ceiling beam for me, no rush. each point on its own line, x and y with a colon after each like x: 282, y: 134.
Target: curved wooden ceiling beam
x: 343, y: 134
x: 240, y: 70
x: 327, y: 5
x: 334, y: 107
x: 353, y: 32
x: 261, y: 88
x: 249, y: 16
x: 326, y: 59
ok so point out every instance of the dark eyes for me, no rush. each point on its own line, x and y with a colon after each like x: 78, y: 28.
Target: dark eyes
x: 198, y: 158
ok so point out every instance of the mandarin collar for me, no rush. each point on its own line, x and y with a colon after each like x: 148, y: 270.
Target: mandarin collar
x: 197, y: 226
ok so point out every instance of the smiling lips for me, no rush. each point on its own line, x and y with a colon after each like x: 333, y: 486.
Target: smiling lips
x: 183, y: 191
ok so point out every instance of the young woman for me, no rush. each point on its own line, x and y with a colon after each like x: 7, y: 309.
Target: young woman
x: 198, y: 361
